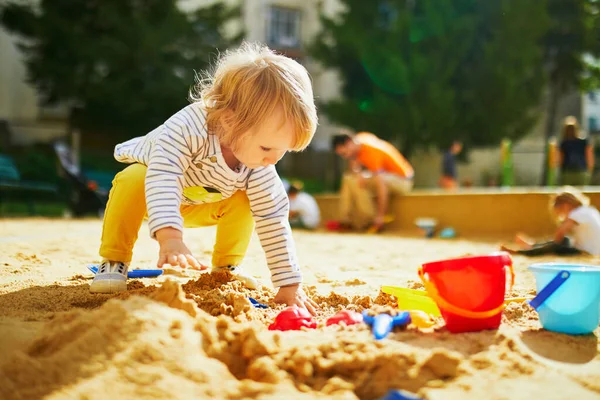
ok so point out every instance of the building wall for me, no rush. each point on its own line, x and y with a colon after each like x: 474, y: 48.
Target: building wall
x: 18, y: 100
x: 19, y: 104
x: 591, y: 112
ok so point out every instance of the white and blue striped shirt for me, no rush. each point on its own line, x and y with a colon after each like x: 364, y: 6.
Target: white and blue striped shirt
x: 185, y: 165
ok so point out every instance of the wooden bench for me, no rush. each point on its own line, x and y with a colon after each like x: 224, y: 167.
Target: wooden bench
x: 10, y: 182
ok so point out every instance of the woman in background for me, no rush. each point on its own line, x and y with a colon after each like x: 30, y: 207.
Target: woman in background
x: 576, y: 156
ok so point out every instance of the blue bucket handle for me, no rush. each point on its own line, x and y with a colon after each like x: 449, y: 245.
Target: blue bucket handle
x: 549, y: 289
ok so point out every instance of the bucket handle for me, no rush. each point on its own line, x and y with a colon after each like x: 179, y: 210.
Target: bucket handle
x: 549, y: 289
x: 443, y: 303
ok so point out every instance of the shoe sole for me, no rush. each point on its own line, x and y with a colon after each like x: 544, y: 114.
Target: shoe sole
x: 108, y: 286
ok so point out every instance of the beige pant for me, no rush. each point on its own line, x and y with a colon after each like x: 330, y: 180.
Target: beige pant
x: 357, y: 206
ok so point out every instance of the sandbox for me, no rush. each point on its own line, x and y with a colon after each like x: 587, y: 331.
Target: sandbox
x: 198, y: 337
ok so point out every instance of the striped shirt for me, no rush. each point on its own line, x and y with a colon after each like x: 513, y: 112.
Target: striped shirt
x: 186, y: 166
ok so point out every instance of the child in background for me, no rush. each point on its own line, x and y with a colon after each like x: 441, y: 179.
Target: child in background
x: 578, y: 219
x: 449, y: 178
x: 304, y: 210
x: 212, y: 163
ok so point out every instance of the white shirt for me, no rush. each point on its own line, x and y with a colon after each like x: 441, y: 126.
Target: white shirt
x: 306, y: 206
x: 186, y: 165
x: 587, y: 231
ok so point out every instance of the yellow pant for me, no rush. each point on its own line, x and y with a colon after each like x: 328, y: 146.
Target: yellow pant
x: 126, y: 210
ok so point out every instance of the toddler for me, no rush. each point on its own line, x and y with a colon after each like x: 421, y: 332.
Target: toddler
x: 212, y: 163
x: 579, y: 230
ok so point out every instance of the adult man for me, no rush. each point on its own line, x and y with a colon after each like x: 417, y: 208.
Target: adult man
x: 375, y: 166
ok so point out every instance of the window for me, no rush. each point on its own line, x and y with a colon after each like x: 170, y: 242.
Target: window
x: 283, y: 28
x: 388, y: 14
x: 593, y: 124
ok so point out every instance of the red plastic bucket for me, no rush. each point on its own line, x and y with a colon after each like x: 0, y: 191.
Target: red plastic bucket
x: 469, y: 291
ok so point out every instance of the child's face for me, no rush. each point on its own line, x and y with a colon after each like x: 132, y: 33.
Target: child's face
x: 266, y: 144
x: 456, y: 148
x: 562, y: 211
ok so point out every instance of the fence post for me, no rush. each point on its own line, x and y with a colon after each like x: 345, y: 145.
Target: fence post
x: 552, y: 157
x: 508, y: 176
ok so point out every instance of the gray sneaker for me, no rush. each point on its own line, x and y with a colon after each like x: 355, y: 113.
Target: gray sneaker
x: 110, y: 278
x: 239, y: 274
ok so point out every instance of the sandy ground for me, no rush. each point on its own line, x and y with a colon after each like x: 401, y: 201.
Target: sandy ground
x: 196, y: 336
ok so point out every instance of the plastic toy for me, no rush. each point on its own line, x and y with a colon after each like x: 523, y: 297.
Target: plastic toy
x: 418, y: 300
x: 469, y: 290
x: 400, y: 395
x: 134, y: 273
x: 568, y: 299
x: 332, y: 225
x: 336, y: 226
x: 346, y: 316
x: 256, y: 304
x: 412, y: 299
x: 383, y: 324
x: 421, y: 319
x: 428, y: 225
x: 447, y: 233
x: 293, y: 319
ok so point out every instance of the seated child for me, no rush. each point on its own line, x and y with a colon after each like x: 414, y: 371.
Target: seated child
x: 578, y: 219
x: 304, y: 210
x: 212, y: 163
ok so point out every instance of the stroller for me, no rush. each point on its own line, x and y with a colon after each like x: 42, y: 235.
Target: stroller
x: 85, y: 194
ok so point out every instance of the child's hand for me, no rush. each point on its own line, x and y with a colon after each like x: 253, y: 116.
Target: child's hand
x: 174, y: 252
x: 294, y: 294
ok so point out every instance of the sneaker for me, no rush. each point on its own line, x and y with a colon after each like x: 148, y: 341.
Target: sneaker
x: 111, y: 277
x: 239, y: 274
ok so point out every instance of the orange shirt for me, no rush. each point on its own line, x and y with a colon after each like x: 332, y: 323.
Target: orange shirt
x: 380, y: 156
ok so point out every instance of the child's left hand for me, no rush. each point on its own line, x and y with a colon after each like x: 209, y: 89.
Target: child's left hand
x: 294, y: 294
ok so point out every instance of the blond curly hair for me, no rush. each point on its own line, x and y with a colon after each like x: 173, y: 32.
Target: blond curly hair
x: 247, y: 85
x: 571, y: 196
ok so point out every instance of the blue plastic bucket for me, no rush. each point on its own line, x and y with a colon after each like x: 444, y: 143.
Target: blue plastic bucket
x: 574, y: 307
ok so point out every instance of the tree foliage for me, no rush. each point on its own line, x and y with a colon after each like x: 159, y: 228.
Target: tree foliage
x: 428, y: 72
x: 122, y: 66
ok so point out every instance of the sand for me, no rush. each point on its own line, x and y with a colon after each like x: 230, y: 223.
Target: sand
x: 194, y: 335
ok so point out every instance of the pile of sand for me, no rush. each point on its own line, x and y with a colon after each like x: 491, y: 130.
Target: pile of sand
x: 204, y: 339
x: 194, y: 336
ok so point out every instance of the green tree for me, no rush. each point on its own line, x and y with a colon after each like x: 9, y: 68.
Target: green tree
x: 500, y: 82
x: 427, y: 72
x: 122, y: 66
